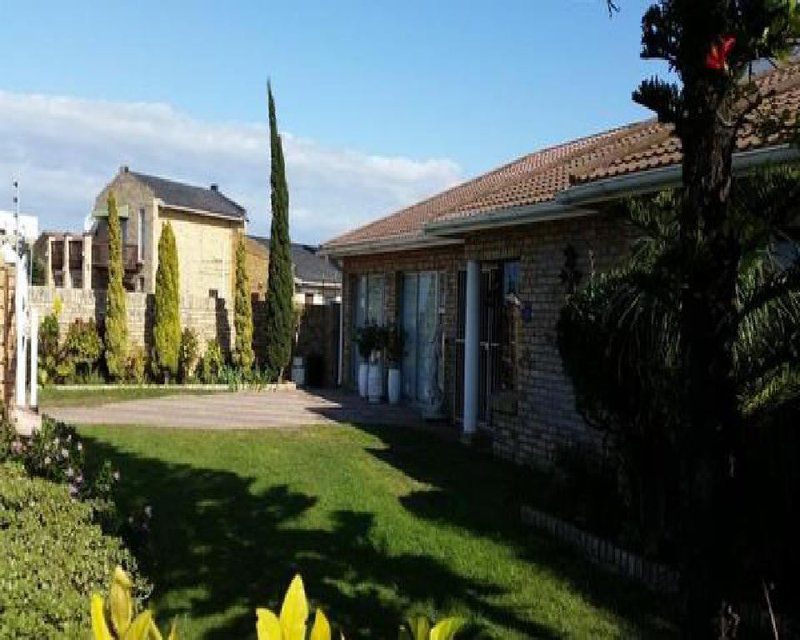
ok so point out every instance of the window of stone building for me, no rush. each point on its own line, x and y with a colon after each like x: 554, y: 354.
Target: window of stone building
x: 140, y: 236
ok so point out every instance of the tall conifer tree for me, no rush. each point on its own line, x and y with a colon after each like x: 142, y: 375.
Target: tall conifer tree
x: 116, y: 337
x: 280, y: 283
x: 243, y: 313
x: 167, y: 325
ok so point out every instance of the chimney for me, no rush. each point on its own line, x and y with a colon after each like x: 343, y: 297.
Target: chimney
x: 123, y: 168
x: 214, y: 186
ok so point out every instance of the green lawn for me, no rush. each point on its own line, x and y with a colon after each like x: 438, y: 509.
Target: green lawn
x: 380, y: 522
x: 54, y: 396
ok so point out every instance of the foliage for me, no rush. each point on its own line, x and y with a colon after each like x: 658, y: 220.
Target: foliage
x: 395, y: 344
x: 189, y: 355
x: 136, y: 365
x: 370, y: 339
x: 52, y: 557
x: 116, y: 322
x: 212, y: 363
x: 167, y: 324
x: 621, y: 341
x: 280, y: 281
x: 81, y: 351
x: 243, y: 356
x: 112, y: 618
x: 49, y: 348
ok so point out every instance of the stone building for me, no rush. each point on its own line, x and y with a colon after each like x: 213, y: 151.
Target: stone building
x: 206, y: 225
x: 476, y: 276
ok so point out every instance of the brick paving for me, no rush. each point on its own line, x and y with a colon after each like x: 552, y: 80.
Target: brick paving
x: 241, y: 410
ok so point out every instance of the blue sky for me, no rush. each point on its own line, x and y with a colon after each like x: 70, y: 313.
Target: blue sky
x: 382, y: 103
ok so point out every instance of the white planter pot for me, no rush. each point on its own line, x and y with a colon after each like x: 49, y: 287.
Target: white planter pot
x: 298, y: 371
x: 375, y: 383
x: 363, y: 376
x: 395, y: 386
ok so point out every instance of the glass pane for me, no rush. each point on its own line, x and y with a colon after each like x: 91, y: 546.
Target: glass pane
x: 375, y: 299
x: 427, y: 361
x: 410, y: 328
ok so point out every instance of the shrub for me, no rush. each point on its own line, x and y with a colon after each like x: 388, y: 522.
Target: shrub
x: 81, y: 351
x: 243, y: 355
x: 136, y: 365
x: 167, y: 324
x: 116, y: 336
x: 188, y: 356
x: 48, y: 348
x: 52, y: 557
x: 212, y: 364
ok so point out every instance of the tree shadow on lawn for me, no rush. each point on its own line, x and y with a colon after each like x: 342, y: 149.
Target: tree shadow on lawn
x: 477, y: 492
x: 236, y: 549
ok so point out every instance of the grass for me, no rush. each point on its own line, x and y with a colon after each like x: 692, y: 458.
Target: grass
x: 381, y: 522
x: 54, y: 396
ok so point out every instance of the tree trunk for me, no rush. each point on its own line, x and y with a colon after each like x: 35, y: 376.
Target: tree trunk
x: 708, y: 330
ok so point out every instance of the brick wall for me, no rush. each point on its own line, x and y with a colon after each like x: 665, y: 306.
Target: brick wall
x: 208, y: 317
x: 530, y: 423
x: 8, y: 344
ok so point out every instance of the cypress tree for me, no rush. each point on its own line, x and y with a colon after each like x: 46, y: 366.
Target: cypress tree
x: 243, y: 313
x: 167, y: 325
x: 280, y: 280
x: 116, y: 314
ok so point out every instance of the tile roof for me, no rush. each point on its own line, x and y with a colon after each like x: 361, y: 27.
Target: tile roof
x: 179, y: 194
x: 540, y: 176
x: 309, y: 266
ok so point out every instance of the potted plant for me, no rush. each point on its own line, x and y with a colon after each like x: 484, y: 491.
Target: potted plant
x: 395, y: 350
x: 365, y: 342
x: 375, y: 375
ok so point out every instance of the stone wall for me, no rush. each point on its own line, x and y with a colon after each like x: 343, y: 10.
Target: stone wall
x: 208, y: 317
x: 8, y: 345
x: 531, y: 423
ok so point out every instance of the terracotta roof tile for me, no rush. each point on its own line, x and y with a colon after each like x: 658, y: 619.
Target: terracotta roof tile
x: 540, y: 176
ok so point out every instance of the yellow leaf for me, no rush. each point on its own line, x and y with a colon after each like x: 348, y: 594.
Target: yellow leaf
x: 120, y: 603
x: 322, y: 628
x: 419, y: 628
x: 100, y: 629
x: 294, y: 611
x: 267, y: 625
x: 447, y: 629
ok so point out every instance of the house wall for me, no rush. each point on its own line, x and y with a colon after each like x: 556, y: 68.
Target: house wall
x: 530, y: 424
x: 206, y: 249
x: 256, y: 260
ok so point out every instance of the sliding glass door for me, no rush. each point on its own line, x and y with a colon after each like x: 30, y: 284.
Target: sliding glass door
x: 420, y: 320
x: 368, y: 308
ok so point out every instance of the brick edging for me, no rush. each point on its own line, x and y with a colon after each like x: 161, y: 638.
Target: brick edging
x: 653, y: 575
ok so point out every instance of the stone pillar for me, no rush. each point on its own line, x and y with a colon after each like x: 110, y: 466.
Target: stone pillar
x: 48, y: 273
x: 87, y: 262
x: 34, y: 340
x: 67, y: 273
x: 472, y: 347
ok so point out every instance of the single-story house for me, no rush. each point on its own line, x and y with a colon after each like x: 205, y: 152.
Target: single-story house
x: 207, y: 225
x: 477, y: 275
x: 317, y: 278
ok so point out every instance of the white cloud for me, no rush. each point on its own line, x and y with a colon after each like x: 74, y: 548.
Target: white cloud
x: 63, y: 150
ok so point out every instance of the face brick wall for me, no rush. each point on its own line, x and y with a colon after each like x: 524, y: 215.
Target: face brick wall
x: 530, y: 424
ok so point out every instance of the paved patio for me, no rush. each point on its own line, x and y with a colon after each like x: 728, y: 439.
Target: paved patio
x: 241, y: 410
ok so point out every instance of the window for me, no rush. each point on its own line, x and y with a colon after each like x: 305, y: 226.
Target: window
x: 123, y: 225
x: 368, y: 308
x: 510, y: 326
x: 140, y: 238
x: 309, y: 298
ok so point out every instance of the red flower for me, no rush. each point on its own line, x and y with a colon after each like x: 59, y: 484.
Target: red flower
x: 717, y: 58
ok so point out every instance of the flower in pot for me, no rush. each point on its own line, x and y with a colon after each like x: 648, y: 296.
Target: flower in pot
x: 375, y: 373
x: 395, y: 350
x: 365, y: 342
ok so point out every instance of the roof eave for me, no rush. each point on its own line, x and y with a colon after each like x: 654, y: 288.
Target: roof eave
x: 386, y: 245
x: 202, y: 212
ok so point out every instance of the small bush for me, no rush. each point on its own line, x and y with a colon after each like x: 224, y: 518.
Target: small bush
x: 136, y: 365
x: 212, y: 363
x: 49, y: 352
x: 52, y: 558
x: 81, y: 352
x: 187, y: 362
